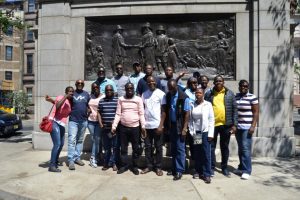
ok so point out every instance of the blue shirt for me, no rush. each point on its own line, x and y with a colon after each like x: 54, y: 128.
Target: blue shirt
x: 187, y: 106
x: 190, y: 94
x: 134, y: 78
x: 79, y: 106
x: 143, y: 86
x: 106, y: 82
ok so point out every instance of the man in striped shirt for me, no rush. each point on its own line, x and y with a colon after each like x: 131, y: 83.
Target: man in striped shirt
x: 248, y: 110
x: 106, y: 113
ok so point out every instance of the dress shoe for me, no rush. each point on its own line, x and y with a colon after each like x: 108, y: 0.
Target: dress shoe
x: 71, y: 166
x: 206, y: 179
x: 170, y: 173
x: 159, y: 172
x: 122, y: 170
x: 135, y: 171
x: 196, y: 175
x: 226, y: 173
x: 105, y: 167
x: 114, y: 167
x: 53, y: 169
x: 177, y: 176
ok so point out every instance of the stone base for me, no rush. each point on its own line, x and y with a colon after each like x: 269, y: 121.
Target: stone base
x: 261, y: 147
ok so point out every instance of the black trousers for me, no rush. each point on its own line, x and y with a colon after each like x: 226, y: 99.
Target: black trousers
x: 149, y: 150
x: 224, y: 143
x: 132, y: 135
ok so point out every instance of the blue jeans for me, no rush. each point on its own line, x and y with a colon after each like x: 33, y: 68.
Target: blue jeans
x: 244, y: 140
x: 58, y: 139
x: 110, y: 148
x: 96, y: 133
x: 75, y: 139
x: 202, y: 156
x: 177, y: 150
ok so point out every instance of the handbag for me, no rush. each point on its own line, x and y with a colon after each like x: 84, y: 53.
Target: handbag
x: 46, y: 123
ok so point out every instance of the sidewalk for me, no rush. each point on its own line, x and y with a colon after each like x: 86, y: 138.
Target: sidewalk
x: 24, y: 175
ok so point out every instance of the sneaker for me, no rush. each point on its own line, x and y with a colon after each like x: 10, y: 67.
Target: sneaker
x: 206, y: 180
x: 79, y: 162
x: 226, y: 173
x: 238, y: 172
x: 93, y: 163
x: 53, y: 169
x: 135, y: 171
x: 71, y: 166
x: 245, y: 176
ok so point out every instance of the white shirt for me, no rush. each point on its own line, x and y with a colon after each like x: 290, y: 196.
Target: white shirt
x: 202, y: 118
x: 153, y: 100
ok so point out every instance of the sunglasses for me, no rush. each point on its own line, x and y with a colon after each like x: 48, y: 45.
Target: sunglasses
x: 80, y: 83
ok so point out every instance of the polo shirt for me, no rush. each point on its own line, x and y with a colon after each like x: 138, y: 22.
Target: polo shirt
x: 219, y: 107
x: 107, y: 108
x: 120, y: 82
x: 143, y: 86
x: 104, y: 83
x: 134, y: 79
x: 244, y: 106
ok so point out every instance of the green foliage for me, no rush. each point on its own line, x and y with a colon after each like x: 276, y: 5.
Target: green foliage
x: 20, y: 102
x: 297, y: 69
x: 6, y: 21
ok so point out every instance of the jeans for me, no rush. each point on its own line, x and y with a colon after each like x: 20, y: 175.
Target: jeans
x: 129, y: 134
x: 244, y: 140
x: 149, y: 150
x: 224, y: 143
x: 110, y: 148
x: 75, y: 139
x: 58, y: 139
x: 202, y: 156
x: 96, y: 133
x: 177, y: 150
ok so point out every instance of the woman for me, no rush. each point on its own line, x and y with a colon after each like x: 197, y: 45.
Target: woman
x: 201, y: 128
x: 192, y: 84
x: 60, y: 113
x: 93, y: 124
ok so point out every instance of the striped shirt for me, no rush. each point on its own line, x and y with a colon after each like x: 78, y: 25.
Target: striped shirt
x: 245, y: 114
x: 107, y: 108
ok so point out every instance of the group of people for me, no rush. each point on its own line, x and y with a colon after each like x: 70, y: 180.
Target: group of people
x: 144, y: 108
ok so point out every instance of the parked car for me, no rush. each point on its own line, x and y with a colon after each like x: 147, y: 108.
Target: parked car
x: 9, y: 123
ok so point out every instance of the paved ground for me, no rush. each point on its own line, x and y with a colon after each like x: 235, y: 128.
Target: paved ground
x: 24, y: 175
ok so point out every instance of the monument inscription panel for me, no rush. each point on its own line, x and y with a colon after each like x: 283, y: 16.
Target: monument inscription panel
x: 203, y: 43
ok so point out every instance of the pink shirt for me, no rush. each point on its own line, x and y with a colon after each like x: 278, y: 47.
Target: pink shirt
x: 130, y: 112
x: 61, y: 115
x: 93, y: 104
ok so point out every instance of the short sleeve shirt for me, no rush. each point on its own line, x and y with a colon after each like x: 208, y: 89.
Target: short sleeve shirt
x: 80, y: 106
x: 187, y: 106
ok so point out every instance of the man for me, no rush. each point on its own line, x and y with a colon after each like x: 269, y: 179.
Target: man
x: 138, y: 74
x: 130, y: 114
x: 204, y: 80
x: 118, y: 48
x: 120, y: 80
x: 154, y: 100
x: 225, y: 111
x: 77, y: 124
x: 102, y: 81
x: 169, y: 73
x: 177, y: 110
x: 142, y: 84
x: 106, y: 113
x: 248, y: 109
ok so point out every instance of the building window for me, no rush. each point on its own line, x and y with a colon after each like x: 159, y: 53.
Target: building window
x: 29, y: 94
x: 31, y: 5
x: 30, y: 36
x: 9, y: 31
x: 8, y: 52
x: 29, y: 63
x: 8, y: 75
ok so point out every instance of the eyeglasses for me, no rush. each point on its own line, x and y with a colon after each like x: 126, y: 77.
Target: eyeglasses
x: 80, y: 83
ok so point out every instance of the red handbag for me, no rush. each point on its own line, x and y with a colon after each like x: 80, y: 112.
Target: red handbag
x: 46, y: 123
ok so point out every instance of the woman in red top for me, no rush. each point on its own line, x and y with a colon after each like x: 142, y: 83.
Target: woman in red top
x: 59, y: 115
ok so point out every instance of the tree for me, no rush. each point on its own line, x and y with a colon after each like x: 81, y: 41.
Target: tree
x: 20, y: 102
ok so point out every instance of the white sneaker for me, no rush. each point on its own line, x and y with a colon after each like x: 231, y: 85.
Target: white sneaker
x: 238, y: 172
x: 245, y: 176
x: 93, y: 163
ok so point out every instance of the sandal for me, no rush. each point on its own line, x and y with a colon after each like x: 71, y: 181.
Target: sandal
x: 159, y: 172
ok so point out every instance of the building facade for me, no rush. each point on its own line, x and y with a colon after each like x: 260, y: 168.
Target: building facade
x: 263, y: 55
